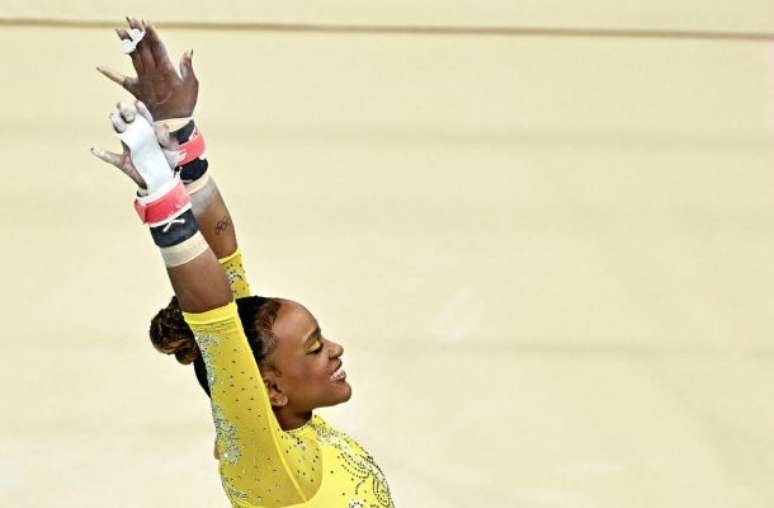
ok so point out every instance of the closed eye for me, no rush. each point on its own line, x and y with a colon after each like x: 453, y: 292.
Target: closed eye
x: 316, y: 347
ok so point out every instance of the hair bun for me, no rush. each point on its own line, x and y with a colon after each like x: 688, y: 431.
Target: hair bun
x: 171, y: 335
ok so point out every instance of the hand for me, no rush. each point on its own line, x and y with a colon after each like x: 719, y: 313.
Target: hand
x: 166, y: 93
x: 124, y: 118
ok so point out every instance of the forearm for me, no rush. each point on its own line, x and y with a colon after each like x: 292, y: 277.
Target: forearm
x: 214, y: 220
x: 208, y: 205
x: 216, y: 227
x: 210, y: 209
x: 200, y: 284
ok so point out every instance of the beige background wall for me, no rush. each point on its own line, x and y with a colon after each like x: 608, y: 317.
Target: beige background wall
x: 549, y: 260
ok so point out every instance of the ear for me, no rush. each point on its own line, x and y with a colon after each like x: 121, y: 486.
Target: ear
x: 277, y: 397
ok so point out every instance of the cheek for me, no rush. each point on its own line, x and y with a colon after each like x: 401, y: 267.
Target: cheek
x: 309, y: 385
x: 309, y: 373
x: 319, y: 369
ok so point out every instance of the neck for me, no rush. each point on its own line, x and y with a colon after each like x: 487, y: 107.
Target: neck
x: 290, y: 420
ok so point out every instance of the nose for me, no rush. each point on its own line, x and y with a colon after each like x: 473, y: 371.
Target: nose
x: 337, y: 350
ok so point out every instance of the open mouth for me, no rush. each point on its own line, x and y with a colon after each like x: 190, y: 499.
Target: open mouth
x: 340, y: 374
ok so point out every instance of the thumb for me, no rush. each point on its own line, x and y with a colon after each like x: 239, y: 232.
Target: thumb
x: 186, y: 66
x: 167, y: 141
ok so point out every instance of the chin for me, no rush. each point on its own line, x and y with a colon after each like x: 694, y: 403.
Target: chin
x: 343, y: 394
x: 348, y: 394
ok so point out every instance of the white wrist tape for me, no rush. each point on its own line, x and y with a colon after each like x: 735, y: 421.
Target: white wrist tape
x: 146, y: 154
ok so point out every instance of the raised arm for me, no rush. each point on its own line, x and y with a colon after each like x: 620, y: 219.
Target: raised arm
x: 149, y: 152
x: 249, y: 436
x: 171, y: 96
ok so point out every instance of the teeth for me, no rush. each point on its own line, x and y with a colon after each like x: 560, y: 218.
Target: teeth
x: 339, y: 374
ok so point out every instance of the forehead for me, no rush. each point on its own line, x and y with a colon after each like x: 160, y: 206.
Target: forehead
x: 293, y: 323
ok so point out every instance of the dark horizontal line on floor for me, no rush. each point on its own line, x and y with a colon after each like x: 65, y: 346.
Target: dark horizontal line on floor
x: 451, y: 30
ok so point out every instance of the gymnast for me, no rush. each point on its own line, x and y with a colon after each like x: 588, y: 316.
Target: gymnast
x: 264, y: 362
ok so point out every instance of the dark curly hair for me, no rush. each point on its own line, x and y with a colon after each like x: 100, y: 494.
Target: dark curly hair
x: 171, y: 335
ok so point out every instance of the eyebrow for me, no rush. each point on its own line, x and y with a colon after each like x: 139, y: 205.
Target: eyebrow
x: 315, y: 334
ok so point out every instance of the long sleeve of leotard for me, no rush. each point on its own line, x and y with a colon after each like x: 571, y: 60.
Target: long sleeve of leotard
x: 235, y: 271
x: 260, y: 465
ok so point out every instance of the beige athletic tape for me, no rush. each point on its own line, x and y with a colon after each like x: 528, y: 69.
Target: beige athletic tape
x: 185, y: 251
x: 198, y: 184
x: 174, y: 124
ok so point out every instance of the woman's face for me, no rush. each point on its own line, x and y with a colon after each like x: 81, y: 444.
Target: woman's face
x: 307, y: 367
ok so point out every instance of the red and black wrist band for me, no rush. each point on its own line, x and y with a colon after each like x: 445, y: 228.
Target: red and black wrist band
x: 193, y: 164
x: 172, y: 223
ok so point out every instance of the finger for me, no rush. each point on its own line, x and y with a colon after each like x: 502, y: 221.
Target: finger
x: 142, y: 109
x: 143, y: 59
x: 156, y: 45
x: 130, y: 85
x: 118, y: 123
x: 109, y: 157
x: 122, y: 162
x: 114, y: 76
x: 127, y: 113
x: 163, y: 137
x: 144, y: 50
x: 128, y: 168
x: 145, y: 55
x: 136, y: 62
x: 186, y: 66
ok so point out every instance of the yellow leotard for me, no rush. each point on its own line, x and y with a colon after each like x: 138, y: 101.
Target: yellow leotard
x: 235, y: 272
x: 262, y: 465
